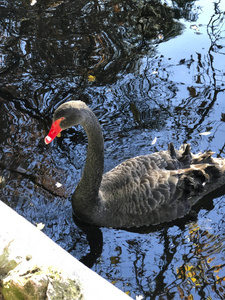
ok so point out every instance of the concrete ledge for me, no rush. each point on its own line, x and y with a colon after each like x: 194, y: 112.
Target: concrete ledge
x: 32, y: 261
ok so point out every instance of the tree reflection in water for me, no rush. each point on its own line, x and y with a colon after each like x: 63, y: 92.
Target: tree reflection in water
x: 151, y: 71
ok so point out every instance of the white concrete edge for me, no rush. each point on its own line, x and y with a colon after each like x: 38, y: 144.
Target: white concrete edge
x: 27, y: 240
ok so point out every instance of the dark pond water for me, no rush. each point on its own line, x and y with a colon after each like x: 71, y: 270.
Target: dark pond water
x: 153, y: 72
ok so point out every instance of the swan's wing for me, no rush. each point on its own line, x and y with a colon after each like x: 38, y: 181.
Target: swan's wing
x: 153, y: 189
x: 144, y: 173
x: 139, y: 186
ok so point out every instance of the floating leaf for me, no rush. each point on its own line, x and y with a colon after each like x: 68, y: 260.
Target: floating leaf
x: 194, y: 27
x: 205, y: 133
x: 140, y: 297
x: 154, y: 141
x: 59, y: 134
x: 33, y: 2
x: 91, y: 78
x: 160, y: 36
x: 40, y: 226
x: 58, y: 184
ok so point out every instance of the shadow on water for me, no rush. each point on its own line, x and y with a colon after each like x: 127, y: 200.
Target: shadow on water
x: 153, y: 73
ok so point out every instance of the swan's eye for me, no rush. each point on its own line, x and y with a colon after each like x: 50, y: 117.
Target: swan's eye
x: 54, y: 131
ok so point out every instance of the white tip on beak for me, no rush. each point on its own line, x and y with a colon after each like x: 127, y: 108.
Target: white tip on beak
x: 48, y: 139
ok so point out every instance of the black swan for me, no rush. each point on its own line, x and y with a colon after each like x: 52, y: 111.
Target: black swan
x: 144, y: 190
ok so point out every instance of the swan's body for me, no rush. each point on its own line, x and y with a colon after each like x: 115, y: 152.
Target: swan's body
x: 144, y: 190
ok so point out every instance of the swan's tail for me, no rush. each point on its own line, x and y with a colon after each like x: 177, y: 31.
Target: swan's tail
x: 199, y: 173
x: 183, y: 155
x: 212, y: 168
x: 204, y: 174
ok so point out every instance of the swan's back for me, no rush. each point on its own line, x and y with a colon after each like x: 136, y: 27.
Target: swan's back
x: 158, y: 187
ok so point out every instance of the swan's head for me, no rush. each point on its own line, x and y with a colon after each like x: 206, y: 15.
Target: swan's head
x: 66, y: 115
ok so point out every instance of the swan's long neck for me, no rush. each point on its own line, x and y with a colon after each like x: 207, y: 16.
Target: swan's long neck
x: 86, y: 193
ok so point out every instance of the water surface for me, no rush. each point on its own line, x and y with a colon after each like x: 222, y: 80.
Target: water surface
x: 153, y: 72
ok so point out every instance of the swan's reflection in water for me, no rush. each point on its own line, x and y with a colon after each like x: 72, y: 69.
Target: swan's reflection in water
x: 95, y: 241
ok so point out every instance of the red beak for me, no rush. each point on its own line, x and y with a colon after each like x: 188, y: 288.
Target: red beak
x: 54, y: 131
